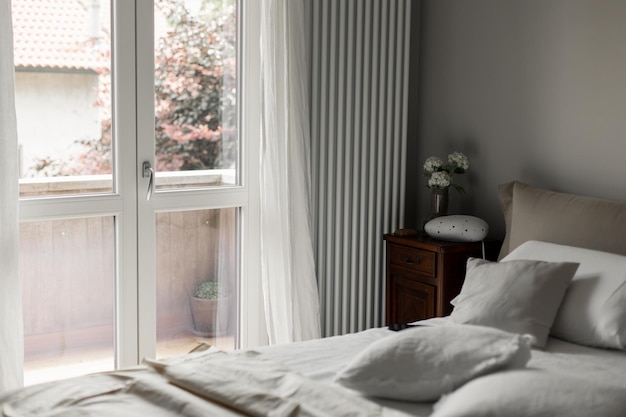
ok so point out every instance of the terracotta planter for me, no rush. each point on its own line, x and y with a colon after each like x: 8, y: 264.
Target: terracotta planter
x: 210, y: 317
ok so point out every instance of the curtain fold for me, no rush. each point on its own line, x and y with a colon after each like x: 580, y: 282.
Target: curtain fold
x: 288, y: 268
x: 11, y: 330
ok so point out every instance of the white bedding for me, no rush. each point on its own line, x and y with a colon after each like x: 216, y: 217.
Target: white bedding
x: 206, y: 384
x: 322, y: 359
x: 144, y: 391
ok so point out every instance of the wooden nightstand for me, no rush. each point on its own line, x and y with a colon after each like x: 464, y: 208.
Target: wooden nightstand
x: 425, y: 274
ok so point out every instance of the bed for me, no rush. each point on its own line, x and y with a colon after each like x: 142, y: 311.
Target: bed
x: 540, y: 332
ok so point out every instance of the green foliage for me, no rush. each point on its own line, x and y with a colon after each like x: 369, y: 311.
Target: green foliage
x: 211, y: 290
x: 195, y: 85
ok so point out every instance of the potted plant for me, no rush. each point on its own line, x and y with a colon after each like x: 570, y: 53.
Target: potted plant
x: 210, y: 308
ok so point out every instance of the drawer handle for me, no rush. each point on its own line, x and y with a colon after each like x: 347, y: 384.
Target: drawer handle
x: 412, y: 261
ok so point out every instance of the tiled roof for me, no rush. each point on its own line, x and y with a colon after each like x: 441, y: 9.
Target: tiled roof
x: 54, y: 34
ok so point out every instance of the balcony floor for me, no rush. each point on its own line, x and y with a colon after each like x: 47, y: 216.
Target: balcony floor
x: 86, y: 361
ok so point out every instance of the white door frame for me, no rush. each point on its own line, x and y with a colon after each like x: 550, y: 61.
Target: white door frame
x: 125, y: 134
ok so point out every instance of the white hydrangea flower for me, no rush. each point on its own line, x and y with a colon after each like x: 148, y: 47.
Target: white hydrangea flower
x: 440, y: 175
x: 432, y: 164
x: 440, y: 179
x: 459, y: 160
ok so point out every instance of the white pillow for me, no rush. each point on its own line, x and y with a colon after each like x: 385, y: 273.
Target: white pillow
x: 593, y: 311
x: 532, y: 393
x: 520, y: 296
x: 422, y: 363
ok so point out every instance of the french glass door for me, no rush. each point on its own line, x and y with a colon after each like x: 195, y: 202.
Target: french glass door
x: 189, y: 180
x: 135, y: 200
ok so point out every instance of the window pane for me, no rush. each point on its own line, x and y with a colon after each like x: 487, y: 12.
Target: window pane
x: 62, y: 96
x: 67, y: 271
x: 195, y: 93
x: 196, y: 280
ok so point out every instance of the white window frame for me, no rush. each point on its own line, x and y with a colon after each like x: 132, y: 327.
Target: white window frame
x: 132, y: 340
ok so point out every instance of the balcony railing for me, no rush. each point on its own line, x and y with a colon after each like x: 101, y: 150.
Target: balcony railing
x: 98, y: 184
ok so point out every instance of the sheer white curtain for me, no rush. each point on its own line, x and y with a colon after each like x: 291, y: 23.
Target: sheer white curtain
x: 288, y: 268
x: 11, y: 331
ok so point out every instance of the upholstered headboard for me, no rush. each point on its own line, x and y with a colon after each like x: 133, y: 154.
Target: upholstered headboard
x: 533, y: 213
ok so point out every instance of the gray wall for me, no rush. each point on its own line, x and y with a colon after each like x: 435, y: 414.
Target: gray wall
x: 533, y: 90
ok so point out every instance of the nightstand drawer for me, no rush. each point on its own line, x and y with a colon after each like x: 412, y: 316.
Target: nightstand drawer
x: 413, y: 258
x: 425, y: 274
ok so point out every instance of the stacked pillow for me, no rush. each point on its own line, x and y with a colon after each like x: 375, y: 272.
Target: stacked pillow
x: 519, y: 296
x: 593, y: 311
x: 504, y: 307
x: 550, y: 226
x: 540, y: 288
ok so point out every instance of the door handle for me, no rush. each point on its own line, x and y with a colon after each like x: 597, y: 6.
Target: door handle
x: 148, y: 172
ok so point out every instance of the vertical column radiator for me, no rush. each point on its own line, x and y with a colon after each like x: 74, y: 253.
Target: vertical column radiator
x: 359, y: 89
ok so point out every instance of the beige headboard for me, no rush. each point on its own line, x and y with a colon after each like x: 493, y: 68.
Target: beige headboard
x: 537, y: 214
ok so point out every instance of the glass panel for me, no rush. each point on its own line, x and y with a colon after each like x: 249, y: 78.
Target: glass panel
x: 67, y: 270
x: 195, y: 93
x: 62, y: 96
x: 196, y: 280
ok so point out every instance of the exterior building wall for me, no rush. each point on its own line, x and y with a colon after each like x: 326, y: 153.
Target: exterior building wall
x: 54, y: 110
